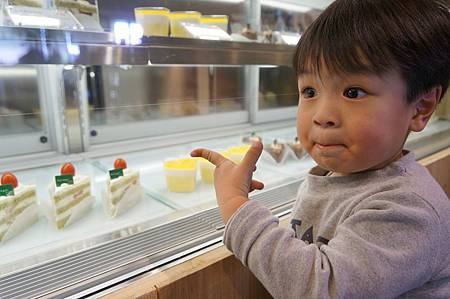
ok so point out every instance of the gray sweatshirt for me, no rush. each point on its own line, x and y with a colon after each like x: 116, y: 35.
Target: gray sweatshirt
x: 378, y: 234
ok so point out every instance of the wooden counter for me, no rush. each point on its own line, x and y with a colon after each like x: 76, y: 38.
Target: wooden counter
x: 218, y: 274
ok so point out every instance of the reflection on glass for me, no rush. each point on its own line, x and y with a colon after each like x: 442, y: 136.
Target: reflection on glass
x: 19, y: 101
x: 287, y: 19
x: 443, y: 109
x: 277, y: 88
x: 132, y: 94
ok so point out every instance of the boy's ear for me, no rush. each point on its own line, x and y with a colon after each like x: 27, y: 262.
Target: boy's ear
x: 424, y: 107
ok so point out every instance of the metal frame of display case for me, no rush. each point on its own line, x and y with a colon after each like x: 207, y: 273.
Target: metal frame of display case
x: 48, y: 46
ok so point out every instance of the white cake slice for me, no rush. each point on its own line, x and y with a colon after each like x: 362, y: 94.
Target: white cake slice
x: 32, y: 3
x: 70, y: 202
x: 18, y: 211
x: 123, y: 192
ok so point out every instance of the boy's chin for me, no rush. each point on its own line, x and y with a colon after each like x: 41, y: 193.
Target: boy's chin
x: 338, y: 168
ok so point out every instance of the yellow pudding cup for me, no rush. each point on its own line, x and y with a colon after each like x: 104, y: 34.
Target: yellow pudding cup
x: 154, y: 20
x: 237, y: 153
x: 177, y: 17
x: 181, y: 174
x: 207, y: 171
x: 220, y: 21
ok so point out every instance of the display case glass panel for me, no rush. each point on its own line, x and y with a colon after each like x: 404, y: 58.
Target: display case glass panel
x: 168, y: 99
x: 277, y: 88
x: 22, y: 112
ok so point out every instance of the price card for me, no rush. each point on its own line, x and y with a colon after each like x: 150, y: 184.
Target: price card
x: 6, y: 190
x: 115, y: 173
x: 64, y: 179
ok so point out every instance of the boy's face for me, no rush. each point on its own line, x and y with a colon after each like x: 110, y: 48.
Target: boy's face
x: 353, y: 123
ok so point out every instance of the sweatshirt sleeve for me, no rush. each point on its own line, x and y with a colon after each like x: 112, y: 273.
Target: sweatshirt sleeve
x: 383, y: 249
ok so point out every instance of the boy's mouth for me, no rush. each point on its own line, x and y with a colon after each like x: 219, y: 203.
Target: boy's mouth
x: 329, y: 148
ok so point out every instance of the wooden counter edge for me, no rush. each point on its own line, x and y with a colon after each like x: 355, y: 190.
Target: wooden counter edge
x: 147, y: 287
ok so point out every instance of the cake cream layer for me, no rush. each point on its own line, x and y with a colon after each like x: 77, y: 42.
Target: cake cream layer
x: 119, y: 186
x: 70, y: 197
x: 77, y: 212
x: 123, y: 181
x: 3, y: 229
x: 16, y: 210
x: 65, y: 194
x: 20, y: 193
x: 131, y: 197
x: 13, y: 205
x: 27, y: 217
x: 123, y: 192
x: 61, y: 193
x: 70, y: 202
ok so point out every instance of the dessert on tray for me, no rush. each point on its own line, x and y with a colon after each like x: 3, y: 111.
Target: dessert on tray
x: 207, y: 169
x: 297, y: 148
x: 30, y: 3
x: 276, y: 150
x: 237, y: 153
x: 181, y: 174
x: 249, y: 33
x: 70, y: 197
x: 124, y: 189
x: 18, y: 207
x: 252, y: 138
x: 82, y: 5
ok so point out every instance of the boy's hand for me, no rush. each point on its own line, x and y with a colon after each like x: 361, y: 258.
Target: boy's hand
x: 233, y: 182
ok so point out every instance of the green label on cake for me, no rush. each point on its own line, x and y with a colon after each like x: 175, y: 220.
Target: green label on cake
x: 64, y: 179
x: 7, y: 190
x: 115, y: 173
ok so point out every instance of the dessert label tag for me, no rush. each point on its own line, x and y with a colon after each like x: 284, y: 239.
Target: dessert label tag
x: 64, y: 179
x: 7, y: 190
x: 115, y: 173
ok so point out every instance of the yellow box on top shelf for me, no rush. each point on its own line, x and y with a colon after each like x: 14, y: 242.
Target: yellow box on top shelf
x: 154, y: 20
x: 177, y: 17
x: 220, y: 21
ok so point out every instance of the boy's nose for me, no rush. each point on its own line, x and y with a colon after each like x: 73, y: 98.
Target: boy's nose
x: 325, y: 124
x: 326, y: 116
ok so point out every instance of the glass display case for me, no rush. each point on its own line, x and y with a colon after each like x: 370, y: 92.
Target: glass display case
x: 97, y: 131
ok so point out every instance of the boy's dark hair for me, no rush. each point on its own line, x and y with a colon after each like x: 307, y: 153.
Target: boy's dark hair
x: 376, y: 36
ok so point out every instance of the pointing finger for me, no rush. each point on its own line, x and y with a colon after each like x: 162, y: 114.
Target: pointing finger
x: 211, y: 156
x: 252, y: 156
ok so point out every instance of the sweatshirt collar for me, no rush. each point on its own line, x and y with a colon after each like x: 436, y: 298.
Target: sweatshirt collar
x: 397, y: 167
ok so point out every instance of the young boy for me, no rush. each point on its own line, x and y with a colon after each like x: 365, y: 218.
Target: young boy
x: 369, y: 221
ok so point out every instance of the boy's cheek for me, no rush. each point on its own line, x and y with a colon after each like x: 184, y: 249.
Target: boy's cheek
x: 303, y: 128
x: 374, y: 144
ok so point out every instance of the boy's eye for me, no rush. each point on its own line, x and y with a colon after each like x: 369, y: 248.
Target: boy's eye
x: 354, y: 93
x: 309, y: 92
